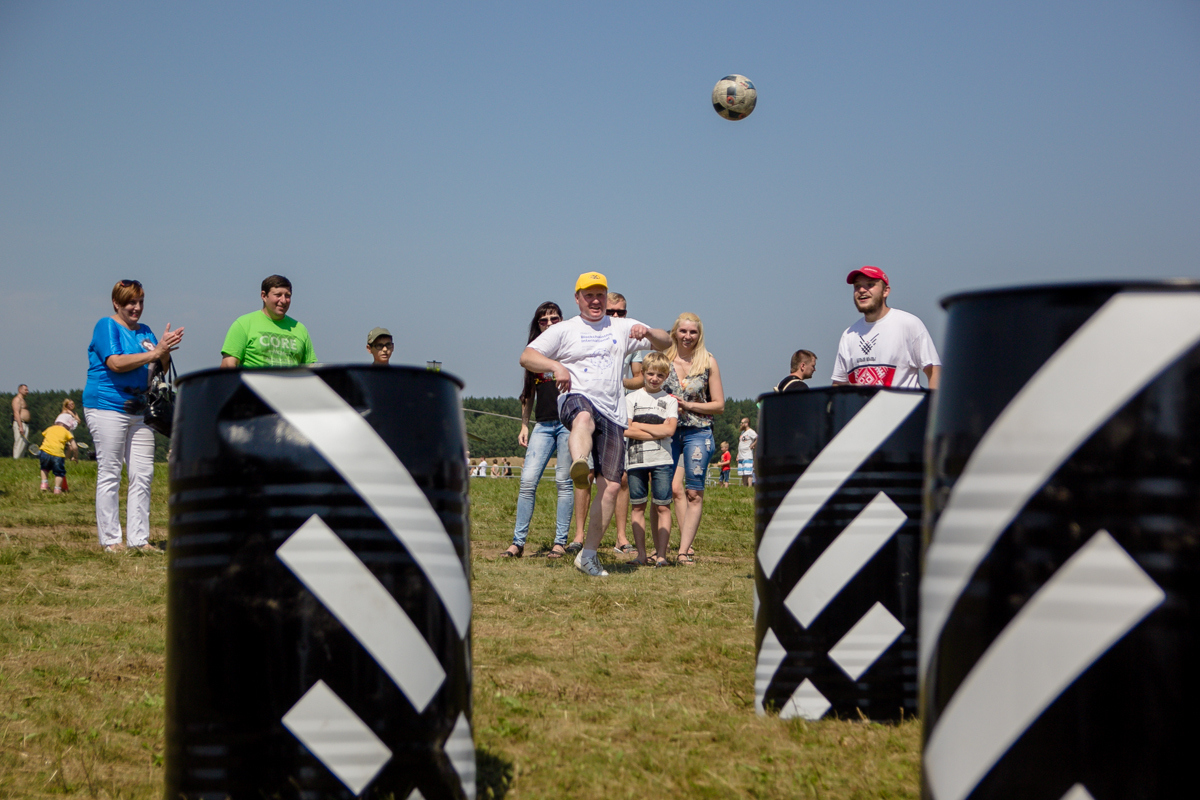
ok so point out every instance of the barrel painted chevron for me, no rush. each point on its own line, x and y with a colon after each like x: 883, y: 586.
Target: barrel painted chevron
x: 845, y: 556
x: 344, y: 585
x: 335, y: 735
x: 1053, y: 414
x: 1089, y: 604
x: 364, y: 460
x: 460, y: 749
x: 844, y: 454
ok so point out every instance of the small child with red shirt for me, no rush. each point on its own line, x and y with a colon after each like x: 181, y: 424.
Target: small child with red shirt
x: 726, y: 461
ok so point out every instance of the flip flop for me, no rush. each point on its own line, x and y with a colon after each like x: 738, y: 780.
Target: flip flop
x: 556, y: 553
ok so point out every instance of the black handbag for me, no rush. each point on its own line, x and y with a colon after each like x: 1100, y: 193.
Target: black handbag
x: 160, y: 399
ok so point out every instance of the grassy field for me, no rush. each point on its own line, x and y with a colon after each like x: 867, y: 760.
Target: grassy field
x: 640, y: 683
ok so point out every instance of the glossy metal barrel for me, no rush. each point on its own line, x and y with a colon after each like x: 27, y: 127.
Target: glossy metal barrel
x: 837, y: 528
x: 318, y: 610
x: 1060, y: 602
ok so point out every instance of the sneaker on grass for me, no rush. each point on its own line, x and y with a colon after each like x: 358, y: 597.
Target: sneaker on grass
x: 590, y: 566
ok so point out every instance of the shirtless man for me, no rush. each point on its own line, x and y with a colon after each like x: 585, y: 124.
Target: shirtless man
x: 20, y: 413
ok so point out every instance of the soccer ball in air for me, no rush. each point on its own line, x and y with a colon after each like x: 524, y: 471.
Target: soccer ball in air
x: 734, y: 97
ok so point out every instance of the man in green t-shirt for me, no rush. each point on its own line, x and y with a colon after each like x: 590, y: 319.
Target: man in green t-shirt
x: 268, y: 338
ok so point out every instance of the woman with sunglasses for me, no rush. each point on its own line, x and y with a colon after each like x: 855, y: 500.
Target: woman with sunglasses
x: 539, y: 397
x: 113, y: 402
x: 695, y: 381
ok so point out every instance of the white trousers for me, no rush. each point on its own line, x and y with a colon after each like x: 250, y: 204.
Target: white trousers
x: 20, y: 443
x: 122, y: 440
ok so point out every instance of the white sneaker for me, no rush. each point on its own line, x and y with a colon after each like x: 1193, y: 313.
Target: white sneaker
x: 590, y: 566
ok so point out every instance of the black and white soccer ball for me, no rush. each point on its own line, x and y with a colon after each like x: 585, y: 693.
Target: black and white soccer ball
x: 734, y: 97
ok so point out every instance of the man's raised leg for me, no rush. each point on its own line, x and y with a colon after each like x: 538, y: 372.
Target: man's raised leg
x: 580, y: 442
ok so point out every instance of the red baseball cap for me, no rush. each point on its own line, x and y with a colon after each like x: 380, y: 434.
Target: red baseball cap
x: 875, y: 273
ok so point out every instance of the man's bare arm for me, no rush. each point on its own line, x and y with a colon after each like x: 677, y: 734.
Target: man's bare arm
x: 934, y: 373
x: 534, y: 361
x: 230, y: 362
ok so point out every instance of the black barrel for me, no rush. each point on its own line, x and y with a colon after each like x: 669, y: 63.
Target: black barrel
x: 1060, y: 601
x: 837, y: 529
x: 318, y: 604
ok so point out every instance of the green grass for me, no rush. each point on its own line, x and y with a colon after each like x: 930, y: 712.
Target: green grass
x: 640, y: 683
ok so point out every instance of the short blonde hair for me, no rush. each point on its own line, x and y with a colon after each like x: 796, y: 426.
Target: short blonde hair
x: 658, y: 361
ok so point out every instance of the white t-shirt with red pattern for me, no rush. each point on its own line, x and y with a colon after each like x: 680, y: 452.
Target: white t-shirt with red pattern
x: 892, y: 351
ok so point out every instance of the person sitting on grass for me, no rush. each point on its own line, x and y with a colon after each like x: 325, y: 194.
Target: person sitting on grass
x: 51, y: 459
x: 653, y: 415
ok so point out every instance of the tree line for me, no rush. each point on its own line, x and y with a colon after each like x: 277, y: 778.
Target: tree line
x: 44, y: 407
x: 496, y: 437
x: 488, y: 435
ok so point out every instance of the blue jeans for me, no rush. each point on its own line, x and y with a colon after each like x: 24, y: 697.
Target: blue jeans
x: 544, y: 440
x: 693, y: 448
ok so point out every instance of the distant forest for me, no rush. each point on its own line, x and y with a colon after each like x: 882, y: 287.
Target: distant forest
x: 497, y: 436
x: 44, y: 407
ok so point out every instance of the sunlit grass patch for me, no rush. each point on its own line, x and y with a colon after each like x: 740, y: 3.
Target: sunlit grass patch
x: 641, y: 683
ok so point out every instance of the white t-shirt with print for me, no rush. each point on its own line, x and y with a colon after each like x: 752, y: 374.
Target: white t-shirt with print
x: 594, y: 355
x: 892, y: 351
x: 652, y: 409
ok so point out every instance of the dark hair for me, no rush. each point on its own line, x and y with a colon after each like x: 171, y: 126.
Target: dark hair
x: 534, y: 332
x: 802, y: 357
x: 275, y: 282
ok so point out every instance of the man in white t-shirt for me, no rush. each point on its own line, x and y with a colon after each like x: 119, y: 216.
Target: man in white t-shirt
x: 587, y: 356
x: 887, y: 347
x: 745, y: 454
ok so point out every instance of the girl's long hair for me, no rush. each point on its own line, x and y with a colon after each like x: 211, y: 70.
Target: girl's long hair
x: 68, y: 407
x: 534, y: 332
x: 699, y: 354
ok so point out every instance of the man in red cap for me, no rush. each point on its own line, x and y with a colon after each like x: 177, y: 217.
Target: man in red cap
x: 887, y: 347
x: 587, y: 356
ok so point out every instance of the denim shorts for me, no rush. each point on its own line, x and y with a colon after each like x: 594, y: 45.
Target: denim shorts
x: 693, y: 448
x: 53, y: 464
x: 655, y: 480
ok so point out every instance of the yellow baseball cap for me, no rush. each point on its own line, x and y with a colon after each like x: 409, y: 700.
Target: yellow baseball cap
x: 591, y: 279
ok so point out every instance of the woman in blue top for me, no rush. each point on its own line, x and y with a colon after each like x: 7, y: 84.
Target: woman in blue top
x: 113, y: 401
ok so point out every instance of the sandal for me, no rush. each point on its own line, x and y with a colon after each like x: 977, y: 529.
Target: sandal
x: 557, y: 551
x: 574, y: 547
x: 661, y: 562
x: 638, y: 562
x: 686, y: 559
x: 624, y: 549
x: 510, y: 554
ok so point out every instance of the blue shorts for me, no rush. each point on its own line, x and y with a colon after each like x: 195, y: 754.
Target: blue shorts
x: 53, y: 464
x: 655, y: 480
x: 693, y: 449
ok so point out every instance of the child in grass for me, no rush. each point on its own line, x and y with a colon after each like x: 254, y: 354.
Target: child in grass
x: 51, y: 459
x: 653, y: 415
x: 725, y: 464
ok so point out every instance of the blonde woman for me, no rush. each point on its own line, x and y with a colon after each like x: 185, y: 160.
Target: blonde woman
x: 695, y: 381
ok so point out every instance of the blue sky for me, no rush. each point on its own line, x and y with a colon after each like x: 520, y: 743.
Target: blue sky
x: 440, y: 169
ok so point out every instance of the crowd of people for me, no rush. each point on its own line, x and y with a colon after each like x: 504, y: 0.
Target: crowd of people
x: 657, y: 444
x: 622, y: 407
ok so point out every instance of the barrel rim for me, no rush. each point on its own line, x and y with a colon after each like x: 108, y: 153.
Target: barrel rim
x: 1162, y: 284
x: 318, y: 369
x: 842, y: 388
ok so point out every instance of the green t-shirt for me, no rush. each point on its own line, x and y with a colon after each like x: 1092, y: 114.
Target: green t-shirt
x: 259, y: 341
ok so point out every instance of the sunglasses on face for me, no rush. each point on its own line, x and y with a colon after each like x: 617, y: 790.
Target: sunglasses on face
x: 616, y: 312
x: 549, y: 320
x: 127, y: 284
x: 382, y: 346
